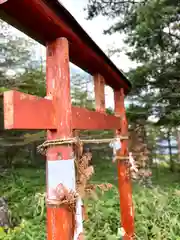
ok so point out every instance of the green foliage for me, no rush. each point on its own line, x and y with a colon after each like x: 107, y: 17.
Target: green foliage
x: 152, y: 34
x: 80, y: 94
x: 28, y: 75
x: 33, y: 82
x: 141, y: 111
x: 156, y: 209
x: 16, y: 55
x: 24, y: 190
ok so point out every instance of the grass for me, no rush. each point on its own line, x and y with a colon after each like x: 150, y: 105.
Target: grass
x: 157, y: 209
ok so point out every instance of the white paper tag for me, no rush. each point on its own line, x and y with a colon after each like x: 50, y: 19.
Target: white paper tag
x: 79, y: 219
x: 115, y: 145
x: 63, y: 172
x: 60, y: 172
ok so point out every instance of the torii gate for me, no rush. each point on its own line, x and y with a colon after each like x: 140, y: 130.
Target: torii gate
x: 48, y: 22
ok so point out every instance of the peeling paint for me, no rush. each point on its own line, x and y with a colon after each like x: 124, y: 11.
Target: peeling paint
x: 54, y: 120
x: 48, y: 97
x: 122, y: 174
x: 8, y: 110
x: 53, y: 83
x: 23, y: 96
x: 59, y: 71
x: 131, y: 212
x: 79, y: 219
x: 64, y: 226
x: 33, y: 98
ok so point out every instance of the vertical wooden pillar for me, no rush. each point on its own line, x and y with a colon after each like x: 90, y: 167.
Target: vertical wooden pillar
x: 99, y: 87
x: 59, y: 219
x: 126, y: 204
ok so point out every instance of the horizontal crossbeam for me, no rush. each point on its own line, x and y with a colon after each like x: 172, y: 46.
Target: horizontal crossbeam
x: 24, y: 111
x: 46, y: 20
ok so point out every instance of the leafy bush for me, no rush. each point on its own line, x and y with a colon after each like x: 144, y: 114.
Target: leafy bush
x: 157, y: 216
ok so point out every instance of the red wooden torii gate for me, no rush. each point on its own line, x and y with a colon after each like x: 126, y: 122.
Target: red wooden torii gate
x: 48, y: 22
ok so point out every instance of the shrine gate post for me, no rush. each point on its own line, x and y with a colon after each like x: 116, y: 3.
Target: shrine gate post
x: 125, y: 190
x: 51, y: 24
x: 23, y: 111
x: 59, y: 220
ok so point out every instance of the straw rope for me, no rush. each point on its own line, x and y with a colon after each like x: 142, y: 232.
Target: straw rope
x: 76, y: 140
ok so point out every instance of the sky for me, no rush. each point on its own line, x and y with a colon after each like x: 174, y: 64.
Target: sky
x: 95, y: 28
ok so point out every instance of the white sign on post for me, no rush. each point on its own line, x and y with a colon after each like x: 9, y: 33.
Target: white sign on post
x: 79, y: 219
x: 63, y: 172
x: 60, y: 172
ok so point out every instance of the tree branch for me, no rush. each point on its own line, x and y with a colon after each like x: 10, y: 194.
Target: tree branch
x: 174, y: 35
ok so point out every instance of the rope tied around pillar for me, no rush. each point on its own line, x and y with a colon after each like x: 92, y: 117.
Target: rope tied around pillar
x: 84, y: 171
x: 76, y: 140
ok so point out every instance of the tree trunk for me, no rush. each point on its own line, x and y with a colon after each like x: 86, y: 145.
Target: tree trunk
x: 170, y: 150
x: 178, y: 143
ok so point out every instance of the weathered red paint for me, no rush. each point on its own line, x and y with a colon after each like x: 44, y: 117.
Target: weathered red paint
x: 45, y: 20
x: 99, y: 89
x: 126, y: 203
x: 9, y: 109
x: 27, y: 111
x: 85, y: 119
x: 59, y: 220
x: 24, y: 111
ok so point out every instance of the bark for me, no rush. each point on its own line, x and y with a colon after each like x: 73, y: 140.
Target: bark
x: 170, y: 151
x: 178, y: 143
